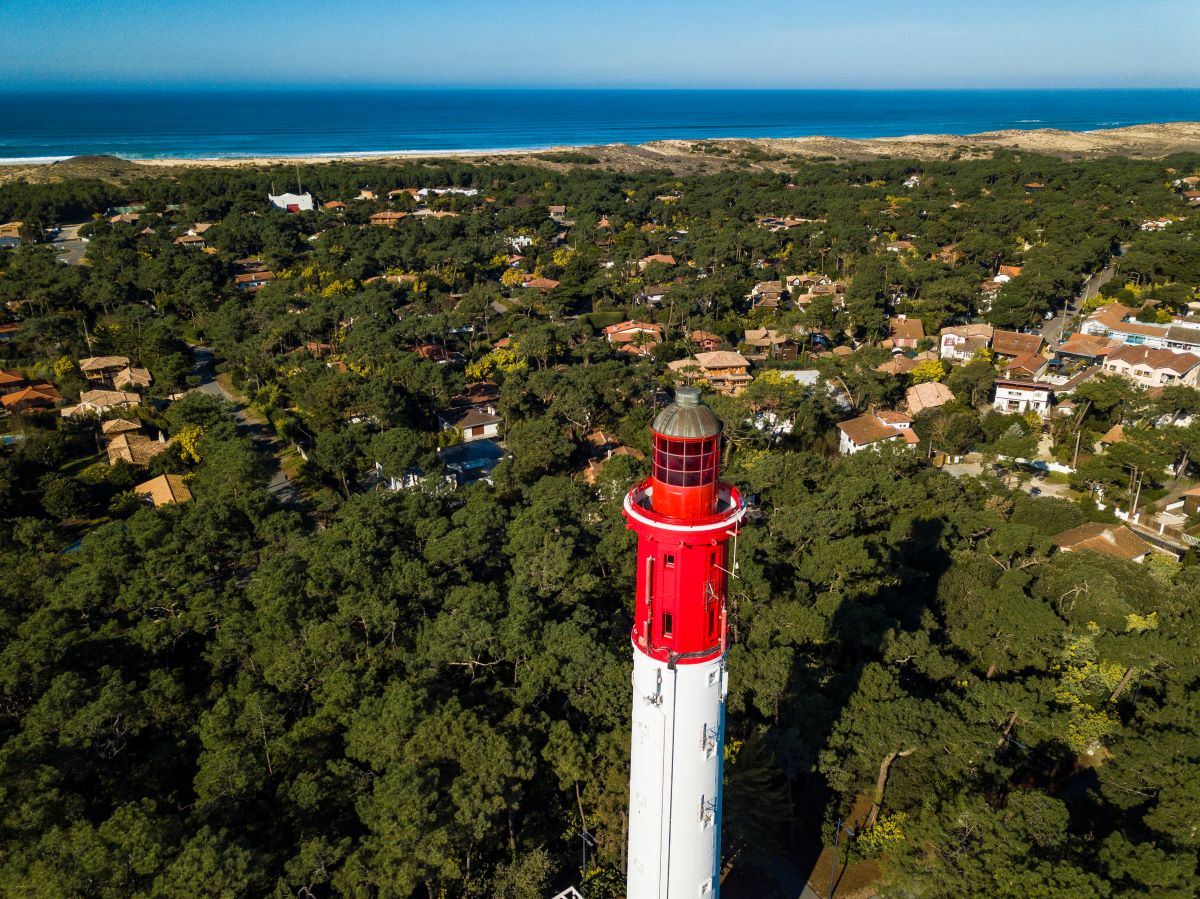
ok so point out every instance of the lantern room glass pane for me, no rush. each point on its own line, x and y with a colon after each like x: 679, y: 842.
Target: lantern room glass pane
x: 686, y: 463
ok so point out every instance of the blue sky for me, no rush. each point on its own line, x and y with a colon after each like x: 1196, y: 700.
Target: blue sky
x: 519, y: 43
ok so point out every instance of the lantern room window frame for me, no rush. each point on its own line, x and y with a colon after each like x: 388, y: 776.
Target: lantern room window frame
x: 686, y: 463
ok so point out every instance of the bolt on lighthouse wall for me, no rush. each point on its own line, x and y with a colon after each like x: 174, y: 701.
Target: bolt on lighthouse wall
x: 684, y: 518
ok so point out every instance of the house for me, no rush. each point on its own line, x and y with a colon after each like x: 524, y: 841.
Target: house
x: 766, y: 295
x: 771, y: 344
x: 875, y: 429
x: 897, y: 365
x: 653, y: 294
x: 102, y: 369
x: 899, y: 246
x: 292, y: 202
x: 436, y: 353
x: 662, y: 258
x: 541, y: 283
x: 1086, y: 347
x: 11, y: 230
x: 905, y: 332
x: 1013, y: 395
x: 1006, y: 273
x: 1034, y: 187
x: 38, y: 396
x: 8, y: 333
x: 334, y: 205
x: 1119, y: 323
x: 1014, y: 343
x: 479, y: 393
x: 11, y: 382
x: 1191, y: 501
x: 634, y: 334
x: 558, y: 213
x: 1111, y: 540
x: 723, y: 370
x: 388, y: 218
x: 961, y: 342
x: 472, y: 422
x: 97, y: 402
x: 601, y: 447
x: 1149, y: 367
x: 1029, y: 366
x: 134, y: 448
x: 164, y: 490
x: 191, y: 241
x: 706, y: 341
x: 928, y: 395
x: 253, y: 280
x: 114, y: 426
x: 137, y: 378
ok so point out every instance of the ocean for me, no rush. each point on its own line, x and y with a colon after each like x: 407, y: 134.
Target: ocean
x: 193, y: 123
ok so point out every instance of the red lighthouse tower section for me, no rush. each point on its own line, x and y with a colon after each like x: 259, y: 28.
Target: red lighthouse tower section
x: 684, y: 517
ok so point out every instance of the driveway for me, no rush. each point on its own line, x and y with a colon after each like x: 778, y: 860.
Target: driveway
x: 258, y: 431
x: 68, y: 245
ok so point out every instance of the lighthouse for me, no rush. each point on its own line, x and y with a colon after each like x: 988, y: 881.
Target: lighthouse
x: 685, y: 519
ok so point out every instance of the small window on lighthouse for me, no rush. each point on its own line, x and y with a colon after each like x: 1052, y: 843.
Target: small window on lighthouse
x: 667, y: 623
x: 669, y: 560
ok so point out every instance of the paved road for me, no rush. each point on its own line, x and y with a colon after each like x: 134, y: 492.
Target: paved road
x: 1053, y: 329
x: 262, y: 435
x: 69, y: 246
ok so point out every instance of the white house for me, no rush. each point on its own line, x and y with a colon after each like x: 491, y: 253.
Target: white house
x: 474, y: 423
x: 292, y: 202
x: 1021, y: 396
x: 960, y: 343
x: 874, y: 429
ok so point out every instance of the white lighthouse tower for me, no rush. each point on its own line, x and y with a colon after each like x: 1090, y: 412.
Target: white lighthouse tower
x: 684, y: 518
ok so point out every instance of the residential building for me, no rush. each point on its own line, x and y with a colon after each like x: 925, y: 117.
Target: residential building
x: 253, y: 280
x: 772, y: 344
x: 1013, y: 395
x: 292, y: 202
x: 1111, y: 540
x: 663, y: 258
x: 130, y: 377
x: 472, y: 422
x: 905, y: 332
x: 1029, y: 366
x: 1006, y: 273
x: 97, y: 402
x: 37, y: 396
x: 1149, y: 367
x: 164, y: 490
x: 1014, y: 343
x: 897, y: 365
x: 874, y: 429
x: 961, y: 342
x: 11, y: 382
x: 706, y: 341
x: 724, y: 371
x: 135, y: 448
x: 928, y: 395
x: 388, y: 218
x: 1120, y: 323
x: 1086, y: 347
x: 899, y: 246
x: 638, y: 335
x: 102, y: 369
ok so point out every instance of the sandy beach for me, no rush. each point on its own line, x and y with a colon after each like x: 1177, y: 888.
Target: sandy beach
x: 688, y: 156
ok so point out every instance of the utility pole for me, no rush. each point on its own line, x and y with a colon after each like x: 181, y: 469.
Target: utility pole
x: 837, y: 834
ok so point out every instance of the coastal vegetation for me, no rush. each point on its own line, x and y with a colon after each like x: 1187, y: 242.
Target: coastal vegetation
x: 303, y: 683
